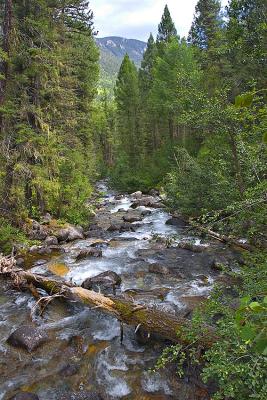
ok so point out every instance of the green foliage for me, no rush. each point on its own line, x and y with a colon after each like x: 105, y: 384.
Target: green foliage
x: 46, y: 126
x: 9, y: 236
x: 237, y: 360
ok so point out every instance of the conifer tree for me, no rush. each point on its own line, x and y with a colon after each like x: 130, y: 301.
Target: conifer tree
x: 127, y: 100
x: 166, y: 28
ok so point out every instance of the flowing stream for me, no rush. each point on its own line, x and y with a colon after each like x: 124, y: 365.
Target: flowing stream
x: 84, y: 352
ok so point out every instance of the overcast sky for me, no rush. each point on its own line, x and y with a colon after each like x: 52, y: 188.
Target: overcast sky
x: 135, y: 19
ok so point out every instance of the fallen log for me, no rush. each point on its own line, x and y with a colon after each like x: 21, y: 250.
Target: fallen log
x: 157, y: 322
x: 223, y: 238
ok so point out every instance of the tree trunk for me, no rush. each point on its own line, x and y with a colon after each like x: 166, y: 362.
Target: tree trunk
x: 166, y: 325
x: 4, y: 65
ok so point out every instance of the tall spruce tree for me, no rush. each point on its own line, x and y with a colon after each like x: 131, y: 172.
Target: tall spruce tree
x: 127, y: 99
x: 166, y: 30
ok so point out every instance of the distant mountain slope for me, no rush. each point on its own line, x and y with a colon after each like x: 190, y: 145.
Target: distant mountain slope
x: 112, y: 51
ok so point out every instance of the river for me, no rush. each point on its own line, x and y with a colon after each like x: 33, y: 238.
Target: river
x: 84, y: 354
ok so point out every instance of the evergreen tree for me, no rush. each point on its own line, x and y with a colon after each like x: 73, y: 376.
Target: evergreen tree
x: 147, y: 65
x: 166, y: 29
x: 206, y: 24
x: 127, y: 100
x: 247, y: 43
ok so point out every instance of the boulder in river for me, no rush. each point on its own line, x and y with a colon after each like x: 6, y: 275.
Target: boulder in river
x: 25, y: 396
x: 69, y: 234
x: 195, y: 248
x: 137, y: 195
x: 176, y: 221
x: 157, y: 268
x: 92, y: 252
x: 28, y: 338
x: 132, y: 217
x: 106, y: 281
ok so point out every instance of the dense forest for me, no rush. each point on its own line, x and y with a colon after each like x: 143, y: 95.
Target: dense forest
x: 190, y: 123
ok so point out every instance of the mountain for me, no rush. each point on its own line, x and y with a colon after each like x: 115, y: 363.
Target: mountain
x: 112, y: 52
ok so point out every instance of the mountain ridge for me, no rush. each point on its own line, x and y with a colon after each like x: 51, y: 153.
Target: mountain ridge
x: 112, y: 51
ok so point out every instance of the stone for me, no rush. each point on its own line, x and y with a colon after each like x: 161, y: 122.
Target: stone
x: 137, y: 195
x: 132, y: 217
x: 69, y: 234
x: 51, y: 241
x: 154, y: 192
x: 25, y: 396
x: 100, y: 244
x: 158, y: 269
x: 106, y: 281
x: 176, y: 221
x: 89, y: 253
x: 195, y: 248
x: 46, y: 219
x: 28, y: 338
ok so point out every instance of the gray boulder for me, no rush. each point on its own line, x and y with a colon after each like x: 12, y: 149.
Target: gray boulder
x: 28, y: 338
x: 93, y: 252
x: 106, y: 281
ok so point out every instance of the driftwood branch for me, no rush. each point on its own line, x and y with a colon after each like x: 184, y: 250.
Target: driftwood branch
x: 223, y: 238
x: 157, y: 322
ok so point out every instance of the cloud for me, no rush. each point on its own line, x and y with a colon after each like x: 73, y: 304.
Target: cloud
x: 137, y: 18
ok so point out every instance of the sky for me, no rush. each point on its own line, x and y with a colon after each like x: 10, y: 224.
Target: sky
x: 135, y: 19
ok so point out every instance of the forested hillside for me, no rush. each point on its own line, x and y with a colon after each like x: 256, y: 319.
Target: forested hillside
x: 112, y: 51
x: 186, y: 130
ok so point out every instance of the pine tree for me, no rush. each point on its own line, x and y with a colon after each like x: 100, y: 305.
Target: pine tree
x: 149, y: 58
x: 127, y: 100
x: 207, y: 22
x: 166, y: 28
x: 247, y: 43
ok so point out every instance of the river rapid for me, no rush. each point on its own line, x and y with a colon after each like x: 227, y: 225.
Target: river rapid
x: 84, y: 357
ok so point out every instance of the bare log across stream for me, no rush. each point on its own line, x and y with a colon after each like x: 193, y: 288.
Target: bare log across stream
x: 161, y: 323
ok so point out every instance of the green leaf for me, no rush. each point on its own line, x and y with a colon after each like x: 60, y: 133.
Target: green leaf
x: 255, y: 306
x: 264, y: 138
x: 244, y: 100
x: 247, y: 333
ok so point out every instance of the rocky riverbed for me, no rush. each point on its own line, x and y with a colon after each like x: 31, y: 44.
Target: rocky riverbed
x: 133, y: 248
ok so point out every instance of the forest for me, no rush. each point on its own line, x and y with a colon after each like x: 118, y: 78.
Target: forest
x: 189, y: 125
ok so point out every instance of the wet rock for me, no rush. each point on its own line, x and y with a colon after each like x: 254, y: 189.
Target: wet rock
x: 51, y: 240
x: 195, y: 248
x: 89, y: 253
x: 69, y: 234
x: 145, y: 213
x: 25, y: 396
x: 95, y: 233
x: 176, y: 221
x: 69, y: 370
x: 106, y: 281
x: 62, y: 234
x: 148, y: 201
x: 124, y: 227
x: 100, y: 244
x: 84, y: 395
x: 28, y: 338
x: 132, y: 217
x: 137, y: 195
x: 41, y: 250
x: 75, y: 233
x: 157, y: 268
